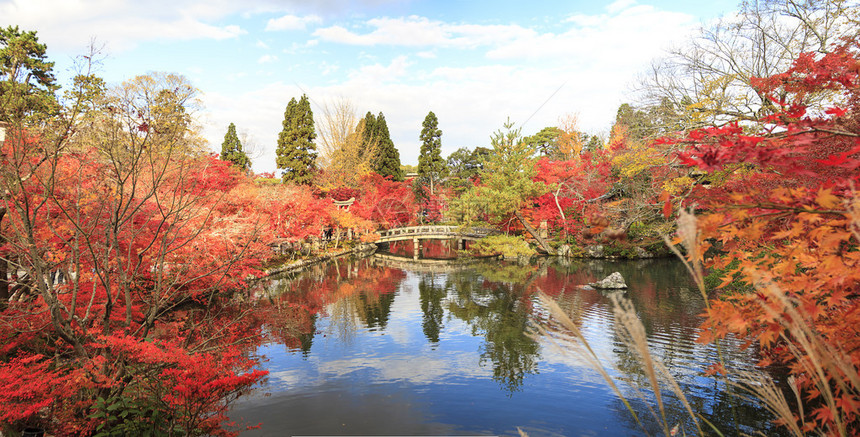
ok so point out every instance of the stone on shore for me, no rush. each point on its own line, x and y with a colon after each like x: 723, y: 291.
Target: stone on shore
x: 594, y: 251
x: 563, y: 250
x: 642, y: 253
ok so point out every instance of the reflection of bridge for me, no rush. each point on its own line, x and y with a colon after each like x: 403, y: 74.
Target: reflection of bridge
x: 425, y: 265
x: 418, y: 233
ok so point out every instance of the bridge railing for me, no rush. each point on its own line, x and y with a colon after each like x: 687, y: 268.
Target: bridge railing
x: 435, y: 230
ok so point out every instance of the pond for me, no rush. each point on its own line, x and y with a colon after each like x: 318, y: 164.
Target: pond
x: 394, y: 347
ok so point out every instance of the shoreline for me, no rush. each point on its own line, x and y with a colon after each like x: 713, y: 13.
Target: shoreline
x: 365, y: 248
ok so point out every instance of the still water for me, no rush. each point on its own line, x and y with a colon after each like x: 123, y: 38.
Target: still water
x: 385, y: 347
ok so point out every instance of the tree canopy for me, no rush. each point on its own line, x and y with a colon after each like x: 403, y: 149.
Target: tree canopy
x: 507, y: 183
x: 27, y: 83
x: 387, y: 161
x: 545, y: 141
x: 346, y: 157
x: 296, y: 149
x: 710, y: 77
x: 377, y: 148
x: 431, y: 166
x: 465, y: 164
x: 231, y: 149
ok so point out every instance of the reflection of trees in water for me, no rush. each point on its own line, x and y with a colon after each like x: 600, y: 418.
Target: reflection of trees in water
x: 343, y: 318
x: 431, y: 296
x: 495, y: 300
x: 512, y: 352
x: 439, y: 249
x: 657, y: 289
x: 500, y: 311
x: 306, y: 337
x: 375, y: 308
x: 350, y: 291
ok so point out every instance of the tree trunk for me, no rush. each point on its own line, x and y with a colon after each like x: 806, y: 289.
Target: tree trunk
x: 4, y: 271
x: 534, y: 233
x: 560, y: 210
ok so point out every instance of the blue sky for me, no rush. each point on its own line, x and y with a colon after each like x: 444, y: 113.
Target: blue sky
x: 473, y: 63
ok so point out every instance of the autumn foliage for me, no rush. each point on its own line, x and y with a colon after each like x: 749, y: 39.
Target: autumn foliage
x: 783, y: 230
x: 576, y: 184
x: 386, y: 202
x: 120, y: 293
x: 778, y: 221
x: 129, y: 307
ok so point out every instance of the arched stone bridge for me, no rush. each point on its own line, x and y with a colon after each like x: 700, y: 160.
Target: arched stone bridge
x: 433, y: 233
x: 418, y: 233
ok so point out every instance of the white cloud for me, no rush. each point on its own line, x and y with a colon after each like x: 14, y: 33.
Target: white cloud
x: 378, y: 73
x: 292, y: 22
x: 619, y: 5
x: 402, y: 368
x: 69, y: 25
x: 471, y: 75
x: 300, y: 48
x: 327, y: 69
x: 632, y: 35
x: 420, y: 31
x: 265, y: 59
x: 583, y: 20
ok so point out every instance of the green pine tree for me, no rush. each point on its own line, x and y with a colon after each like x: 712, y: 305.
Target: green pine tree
x: 369, y: 134
x: 431, y: 166
x: 507, y: 184
x: 387, y: 161
x: 297, y: 153
x: 27, y: 83
x: 231, y: 150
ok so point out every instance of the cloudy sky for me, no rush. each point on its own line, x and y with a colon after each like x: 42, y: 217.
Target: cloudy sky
x: 472, y: 62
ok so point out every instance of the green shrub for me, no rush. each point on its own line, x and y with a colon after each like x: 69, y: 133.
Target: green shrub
x: 510, y: 246
x: 619, y: 249
x: 638, y: 230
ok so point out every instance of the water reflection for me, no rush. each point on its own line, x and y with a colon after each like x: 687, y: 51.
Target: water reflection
x: 456, y: 345
x: 492, y: 299
x: 431, y: 296
x: 428, y: 249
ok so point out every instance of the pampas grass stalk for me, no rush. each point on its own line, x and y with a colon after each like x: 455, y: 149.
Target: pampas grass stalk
x: 826, y: 366
x: 632, y: 333
x: 822, y: 363
x: 588, y: 354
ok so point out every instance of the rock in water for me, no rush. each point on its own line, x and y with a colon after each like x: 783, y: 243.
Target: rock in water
x: 612, y: 282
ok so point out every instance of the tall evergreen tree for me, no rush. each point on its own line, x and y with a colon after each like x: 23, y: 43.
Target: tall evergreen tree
x: 297, y: 153
x: 369, y: 135
x: 231, y: 149
x: 387, y: 161
x: 431, y: 166
x: 27, y: 82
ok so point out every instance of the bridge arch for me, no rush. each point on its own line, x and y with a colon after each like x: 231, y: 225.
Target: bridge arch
x: 432, y: 232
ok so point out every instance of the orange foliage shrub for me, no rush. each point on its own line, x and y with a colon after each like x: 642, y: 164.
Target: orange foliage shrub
x: 787, y: 232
